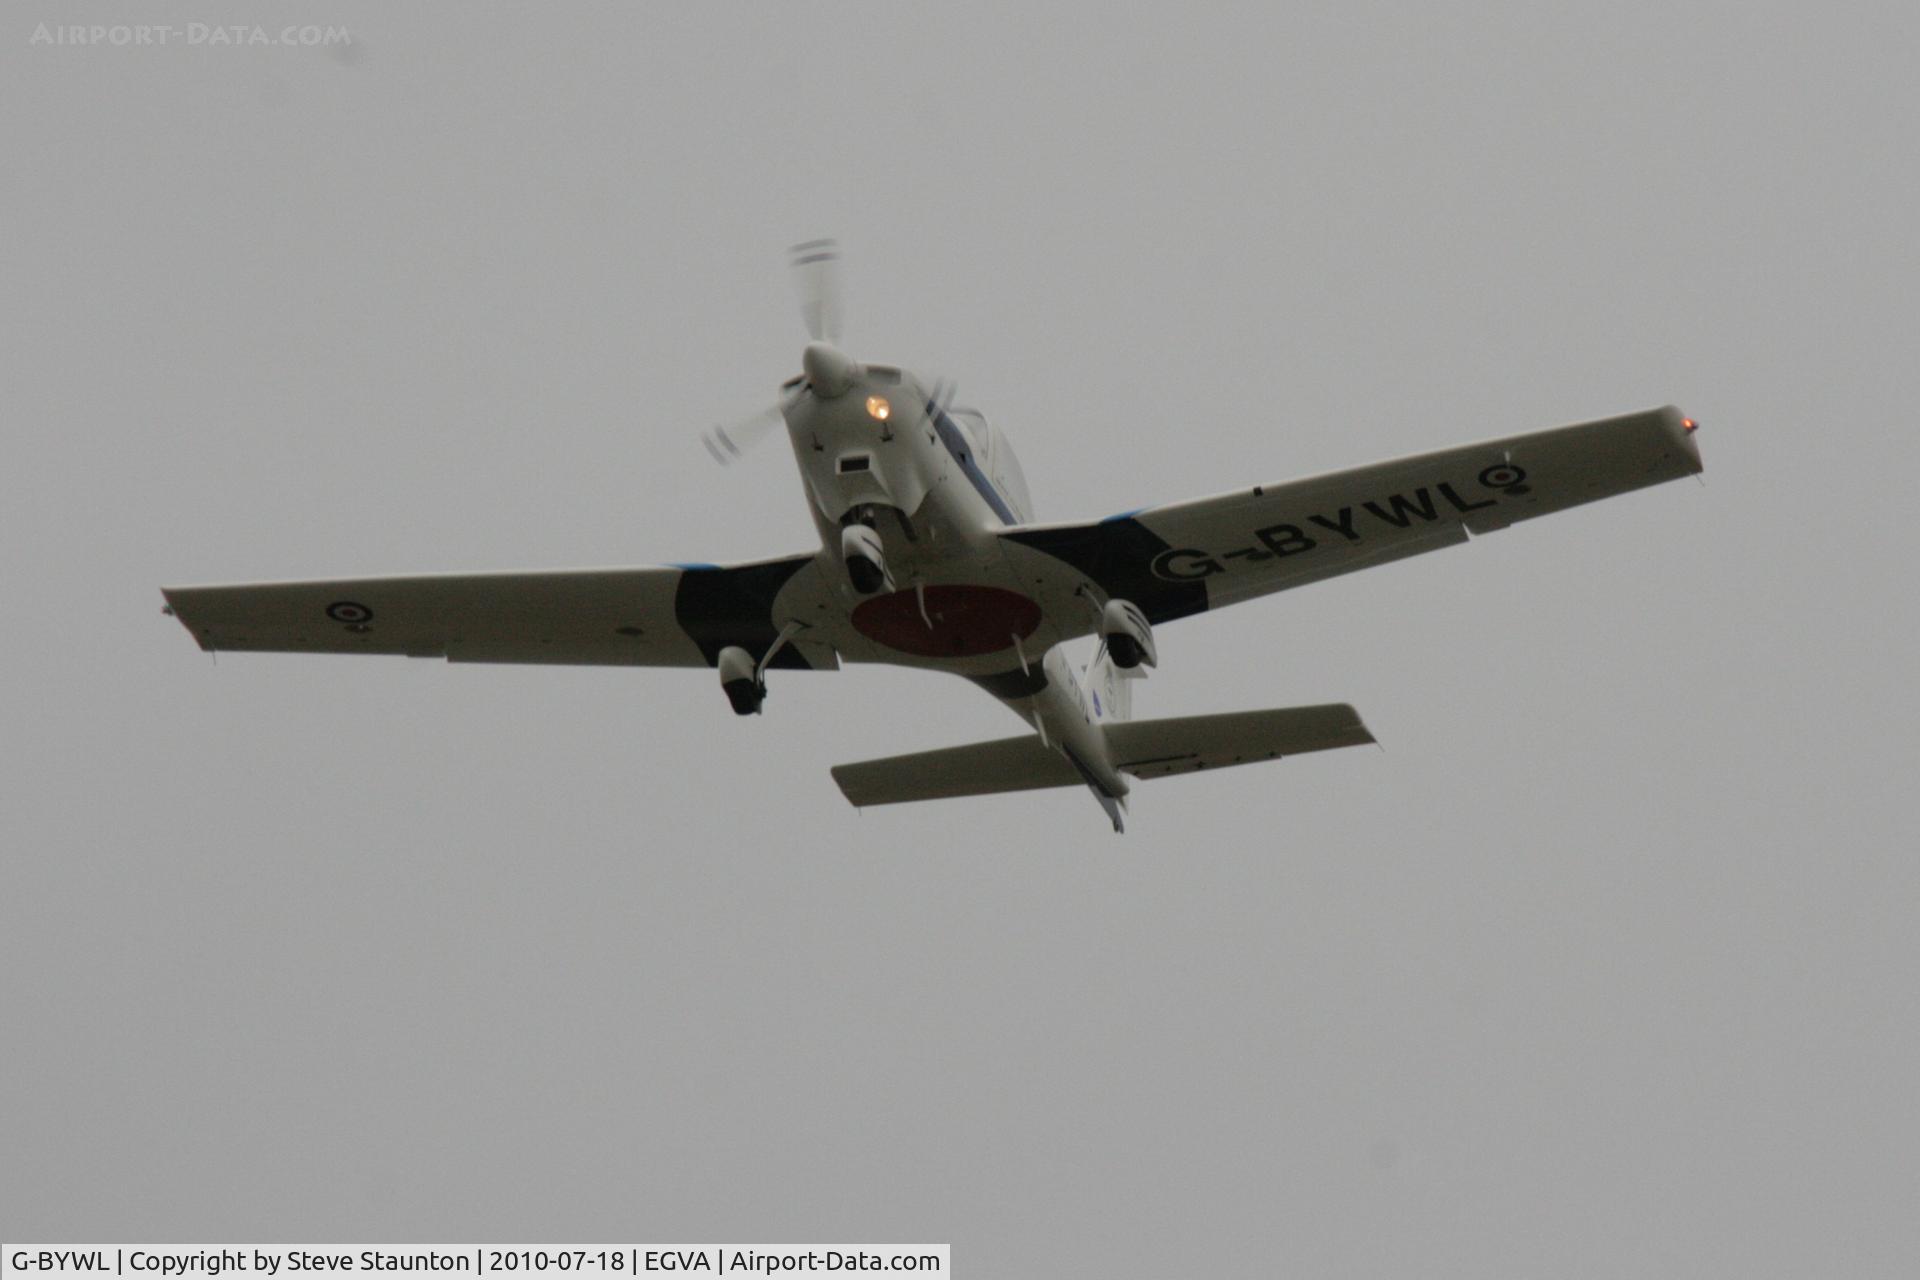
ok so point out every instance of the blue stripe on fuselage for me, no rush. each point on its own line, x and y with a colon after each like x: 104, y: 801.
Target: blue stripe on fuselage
x: 956, y: 442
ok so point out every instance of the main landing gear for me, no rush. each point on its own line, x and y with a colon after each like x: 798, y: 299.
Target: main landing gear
x: 740, y: 678
x: 743, y: 680
x: 1127, y: 635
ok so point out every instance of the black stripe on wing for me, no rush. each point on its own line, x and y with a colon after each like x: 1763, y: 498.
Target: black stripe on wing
x: 718, y: 607
x: 1118, y: 554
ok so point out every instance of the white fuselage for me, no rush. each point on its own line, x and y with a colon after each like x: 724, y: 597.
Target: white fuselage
x: 937, y: 485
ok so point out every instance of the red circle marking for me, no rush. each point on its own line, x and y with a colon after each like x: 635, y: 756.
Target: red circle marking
x: 967, y: 621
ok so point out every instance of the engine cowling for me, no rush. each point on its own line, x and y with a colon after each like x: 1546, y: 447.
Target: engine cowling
x: 1127, y: 635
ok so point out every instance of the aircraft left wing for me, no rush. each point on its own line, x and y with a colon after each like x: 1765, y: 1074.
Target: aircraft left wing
x: 1188, y: 557
x: 670, y: 616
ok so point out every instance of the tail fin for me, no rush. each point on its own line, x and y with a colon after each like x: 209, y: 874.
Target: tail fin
x: 1111, y: 688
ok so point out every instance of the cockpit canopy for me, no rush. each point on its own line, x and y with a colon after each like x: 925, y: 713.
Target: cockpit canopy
x: 995, y: 457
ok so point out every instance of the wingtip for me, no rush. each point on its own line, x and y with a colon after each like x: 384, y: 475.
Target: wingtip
x: 1685, y: 431
x: 170, y: 608
x: 1361, y: 734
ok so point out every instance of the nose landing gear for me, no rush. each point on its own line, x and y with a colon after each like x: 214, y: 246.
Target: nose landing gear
x: 866, y: 562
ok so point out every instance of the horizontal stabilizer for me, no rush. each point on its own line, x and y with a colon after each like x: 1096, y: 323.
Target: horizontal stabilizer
x: 1143, y: 748
x: 1183, y: 744
x: 977, y: 769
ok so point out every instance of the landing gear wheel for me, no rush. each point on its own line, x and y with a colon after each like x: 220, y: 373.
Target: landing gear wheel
x: 740, y: 680
x: 746, y: 696
x: 867, y: 577
x: 865, y: 558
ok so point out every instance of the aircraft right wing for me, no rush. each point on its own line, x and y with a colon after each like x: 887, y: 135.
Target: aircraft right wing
x: 1188, y: 557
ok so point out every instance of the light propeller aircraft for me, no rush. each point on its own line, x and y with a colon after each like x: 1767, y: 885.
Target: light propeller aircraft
x: 929, y: 557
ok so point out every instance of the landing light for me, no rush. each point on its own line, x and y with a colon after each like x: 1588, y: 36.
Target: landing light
x: 1689, y: 425
x: 878, y: 408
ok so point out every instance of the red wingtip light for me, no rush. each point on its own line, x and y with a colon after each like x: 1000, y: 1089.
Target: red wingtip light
x: 1689, y: 425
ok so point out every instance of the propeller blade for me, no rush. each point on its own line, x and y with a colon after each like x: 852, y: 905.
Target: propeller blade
x: 816, y: 282
x: 729, y: 443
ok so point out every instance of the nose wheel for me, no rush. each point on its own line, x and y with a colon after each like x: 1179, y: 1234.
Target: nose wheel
x: 867, y: 577
x: 866, y: 562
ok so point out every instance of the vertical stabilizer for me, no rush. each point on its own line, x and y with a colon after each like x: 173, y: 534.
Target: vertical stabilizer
x: 1109, y: 689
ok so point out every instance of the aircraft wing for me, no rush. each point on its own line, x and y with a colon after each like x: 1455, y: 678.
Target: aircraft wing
x: 671, y: 616
x: 1188, y: 557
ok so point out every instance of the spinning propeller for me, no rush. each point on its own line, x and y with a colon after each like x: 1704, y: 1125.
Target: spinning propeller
x: 815, y: 267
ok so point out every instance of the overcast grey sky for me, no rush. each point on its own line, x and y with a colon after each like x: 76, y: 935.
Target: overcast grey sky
x: 1606, y: 965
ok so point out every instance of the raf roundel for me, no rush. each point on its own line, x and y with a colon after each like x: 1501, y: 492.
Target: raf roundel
x: 1506, y: 477
x: 350, y: 612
